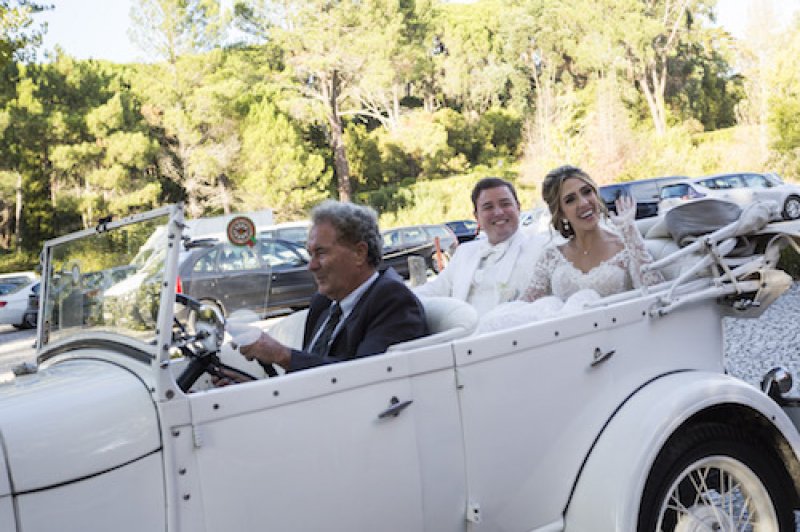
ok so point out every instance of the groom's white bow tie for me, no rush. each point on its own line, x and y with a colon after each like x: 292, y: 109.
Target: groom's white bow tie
x: 494, y: 251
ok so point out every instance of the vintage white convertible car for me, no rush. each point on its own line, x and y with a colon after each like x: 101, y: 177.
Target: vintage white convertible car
x: 617, y: 418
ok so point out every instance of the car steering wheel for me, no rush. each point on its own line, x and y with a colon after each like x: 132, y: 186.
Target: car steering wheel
x: 201, y: 347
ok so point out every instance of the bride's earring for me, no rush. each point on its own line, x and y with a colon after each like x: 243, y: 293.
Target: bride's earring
x: 565, y: 224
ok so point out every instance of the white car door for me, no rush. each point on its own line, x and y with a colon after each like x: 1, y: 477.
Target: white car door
x: 535, y: 398
x: 342, y: 447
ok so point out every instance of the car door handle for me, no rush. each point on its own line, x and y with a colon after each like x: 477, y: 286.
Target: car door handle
x: 599, y: 357
x: 395, y: 409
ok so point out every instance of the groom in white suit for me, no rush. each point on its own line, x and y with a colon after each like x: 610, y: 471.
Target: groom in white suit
x: 498, y: 268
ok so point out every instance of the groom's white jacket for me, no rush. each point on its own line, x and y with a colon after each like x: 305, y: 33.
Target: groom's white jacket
x: 512, y: 273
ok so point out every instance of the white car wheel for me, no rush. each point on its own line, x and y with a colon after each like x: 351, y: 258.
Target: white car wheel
x: 791, y: 208
x: 716, y: 477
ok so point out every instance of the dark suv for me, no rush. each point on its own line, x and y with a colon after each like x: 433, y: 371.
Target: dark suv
x: 401, y: 242
x: 646, y: 192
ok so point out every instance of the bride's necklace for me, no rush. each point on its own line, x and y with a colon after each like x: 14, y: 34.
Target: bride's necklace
x: 583, y: 252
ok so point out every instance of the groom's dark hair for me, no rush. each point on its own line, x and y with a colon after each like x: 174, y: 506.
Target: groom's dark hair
x: 491, y: 182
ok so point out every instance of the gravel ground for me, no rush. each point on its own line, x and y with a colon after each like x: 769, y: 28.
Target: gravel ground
x: 754, y: 346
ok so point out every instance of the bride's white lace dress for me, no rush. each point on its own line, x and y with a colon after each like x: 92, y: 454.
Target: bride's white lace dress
x: 558, y: 287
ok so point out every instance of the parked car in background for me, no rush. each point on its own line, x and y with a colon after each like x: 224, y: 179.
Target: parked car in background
x: 271, y: 275
x: 14, y: 291
x: 32, y: 310
x: 646, y: 192
x: 402, y: 242
x: 465, y: 230
x: 296, y: 232
x: 741, y: 188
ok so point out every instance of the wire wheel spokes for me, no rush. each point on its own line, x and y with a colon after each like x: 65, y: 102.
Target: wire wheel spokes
x: 717, y: 493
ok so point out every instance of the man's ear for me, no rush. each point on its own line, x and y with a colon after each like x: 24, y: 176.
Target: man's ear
x: 362, y: 250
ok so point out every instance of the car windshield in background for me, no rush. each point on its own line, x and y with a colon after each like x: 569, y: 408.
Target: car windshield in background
x: 108, y: 281
x: 465, y: 230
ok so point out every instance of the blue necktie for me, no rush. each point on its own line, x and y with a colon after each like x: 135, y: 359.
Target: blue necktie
x: 322, y: 344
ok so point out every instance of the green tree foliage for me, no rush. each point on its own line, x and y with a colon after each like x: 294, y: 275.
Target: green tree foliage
x: 379, y: 100
x: 17, y: 32
x: 168, y: 29
x: 785, y: 103
x: 277, y: 167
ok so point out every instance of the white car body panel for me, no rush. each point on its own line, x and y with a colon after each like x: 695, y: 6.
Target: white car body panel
x: 129, y: 498
x: 362, y: 472
x: 7, y: 517
x: 120, y: 429
x: 548, y: 402
x: 552, y: 425
x: 608, y: 491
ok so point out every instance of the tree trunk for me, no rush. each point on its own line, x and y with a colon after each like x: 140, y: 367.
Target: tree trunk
x: 18, y: 211
x: 655, y: 103
x: 224, y: 184
x: 340, y: 165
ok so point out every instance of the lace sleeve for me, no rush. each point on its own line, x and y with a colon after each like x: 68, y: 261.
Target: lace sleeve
x: 638, y: 256
x: 540, y: 280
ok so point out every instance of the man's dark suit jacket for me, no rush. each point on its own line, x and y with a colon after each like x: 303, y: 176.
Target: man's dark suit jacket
x: 387, y: 313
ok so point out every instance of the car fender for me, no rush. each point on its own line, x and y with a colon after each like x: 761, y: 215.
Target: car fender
x: 73, y: 420
x: 608, y: 489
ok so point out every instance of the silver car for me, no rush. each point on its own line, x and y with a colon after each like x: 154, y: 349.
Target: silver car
x: 740, y: 188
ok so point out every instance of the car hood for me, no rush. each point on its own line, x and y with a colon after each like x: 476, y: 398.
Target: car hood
x: 73, y: 420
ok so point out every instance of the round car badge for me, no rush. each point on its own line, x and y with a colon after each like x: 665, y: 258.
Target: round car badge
x: 242, y: 231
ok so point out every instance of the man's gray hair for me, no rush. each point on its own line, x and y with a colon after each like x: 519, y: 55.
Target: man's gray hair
x: 353, y: 224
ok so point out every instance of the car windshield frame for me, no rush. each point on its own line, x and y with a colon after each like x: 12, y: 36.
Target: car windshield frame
x: 146, y: 242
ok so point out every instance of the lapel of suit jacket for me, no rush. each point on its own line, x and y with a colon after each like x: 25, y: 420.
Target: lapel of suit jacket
x: 462, y: 282
x: 506, y: 266
x: 317, y: 310
x: 355, y: 314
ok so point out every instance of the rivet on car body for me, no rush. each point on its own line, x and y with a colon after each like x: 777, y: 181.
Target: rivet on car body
x: 216, y: 406
x: 333, y: 380
x: 170, y: 394
x: 389, y: 369
x: 186, y: 496
x: 276, y: 393
x: 176, y: 433
x: 182, y: 471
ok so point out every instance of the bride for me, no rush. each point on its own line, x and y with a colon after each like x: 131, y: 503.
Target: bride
x: 593, y: 263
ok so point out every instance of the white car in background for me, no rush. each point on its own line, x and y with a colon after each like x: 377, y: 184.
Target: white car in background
x: 14, y: 291
x: 741, y: 188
